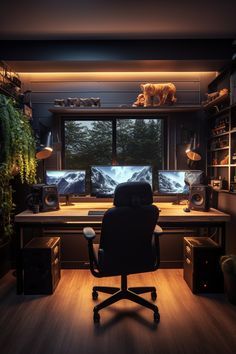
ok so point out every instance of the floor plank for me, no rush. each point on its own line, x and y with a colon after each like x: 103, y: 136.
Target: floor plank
x: 63, y: 322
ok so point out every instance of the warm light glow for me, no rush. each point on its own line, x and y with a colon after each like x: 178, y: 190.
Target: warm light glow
x: 114, y: 75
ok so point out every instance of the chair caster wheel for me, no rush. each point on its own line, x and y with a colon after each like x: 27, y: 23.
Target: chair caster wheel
x: 156, y: 317
x: 96, y: 317
x: 153, y: 295
x: 95, y: 295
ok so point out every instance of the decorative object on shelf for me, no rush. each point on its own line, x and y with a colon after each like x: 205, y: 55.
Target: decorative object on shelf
x: 221, y: 126
x: 232, y: 187
x: 25, y: 103
x: 139, y: 101
x: 78, y: 102
x: 219, y: 143
x: 214, y: 96
x: 158, y: 94
x: 233, y: 158
x: 219, y: 183
x: 225, y: 160
x: 214, y: 161
x: 228, y: 266
x: 59, y: 102
x: 17, y: 154
x: 90, y: 102
x: 10, y: 83
x: 221, y: 122
x: 216, y: 184
x: 72, y: 102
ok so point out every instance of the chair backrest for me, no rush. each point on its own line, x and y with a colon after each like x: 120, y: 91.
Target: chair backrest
x: 126, y: 244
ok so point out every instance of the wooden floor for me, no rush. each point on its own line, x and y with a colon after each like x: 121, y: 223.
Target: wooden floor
x: 63, y: 323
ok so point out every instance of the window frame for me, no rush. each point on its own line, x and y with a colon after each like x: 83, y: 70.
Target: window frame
x: 113, y: 119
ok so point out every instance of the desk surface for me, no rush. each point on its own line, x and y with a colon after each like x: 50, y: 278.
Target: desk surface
x: 78, y: 212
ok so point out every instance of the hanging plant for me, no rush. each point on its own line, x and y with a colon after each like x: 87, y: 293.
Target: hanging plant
x: 17, y: 155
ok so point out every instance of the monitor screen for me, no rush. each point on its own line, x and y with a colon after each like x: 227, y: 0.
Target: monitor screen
x: 69, y: 182
x: 104, y: 179
x: 178, y: 182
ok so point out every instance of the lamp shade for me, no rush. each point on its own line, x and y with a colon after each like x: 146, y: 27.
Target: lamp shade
x: 193, y: 152
x: 44, y: 150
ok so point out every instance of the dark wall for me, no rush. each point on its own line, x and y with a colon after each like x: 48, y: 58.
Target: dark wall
x: 121, y: 90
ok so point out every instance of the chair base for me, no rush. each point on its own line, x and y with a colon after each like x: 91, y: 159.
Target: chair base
x: 125, y: 293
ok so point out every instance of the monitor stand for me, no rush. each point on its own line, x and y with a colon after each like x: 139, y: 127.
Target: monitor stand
x: 67, y: 203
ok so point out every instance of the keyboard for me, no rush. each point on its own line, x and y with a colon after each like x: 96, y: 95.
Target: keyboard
x: 96, y: 212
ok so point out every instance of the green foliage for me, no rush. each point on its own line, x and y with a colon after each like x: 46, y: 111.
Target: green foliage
x: 17, y: 155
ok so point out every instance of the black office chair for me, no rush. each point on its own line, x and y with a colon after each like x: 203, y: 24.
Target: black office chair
x: 129, y: 244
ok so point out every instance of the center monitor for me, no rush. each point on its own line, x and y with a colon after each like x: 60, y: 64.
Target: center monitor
x: 104, y: 179
x: 178, y: 182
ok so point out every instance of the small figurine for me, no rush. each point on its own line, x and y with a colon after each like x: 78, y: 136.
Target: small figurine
x: 59, y: 102
x: 139, y: 101
x: 72, y: 102
x: 90, y: 102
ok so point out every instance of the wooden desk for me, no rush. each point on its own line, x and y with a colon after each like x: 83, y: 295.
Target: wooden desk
x: 78, y: 212
x: 77, y: 215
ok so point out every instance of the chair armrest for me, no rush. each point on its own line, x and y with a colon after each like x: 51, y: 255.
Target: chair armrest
x: 89, y: 233
x: 158, y: 231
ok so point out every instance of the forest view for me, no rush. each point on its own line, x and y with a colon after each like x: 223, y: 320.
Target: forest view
x: 138, y: 142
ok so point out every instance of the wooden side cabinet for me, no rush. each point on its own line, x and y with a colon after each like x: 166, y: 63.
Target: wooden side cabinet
x: 202, y: 270
x: 41, y: 262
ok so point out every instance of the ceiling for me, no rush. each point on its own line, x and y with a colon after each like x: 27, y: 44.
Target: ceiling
x: 94, y: 19
x: 80, y: 20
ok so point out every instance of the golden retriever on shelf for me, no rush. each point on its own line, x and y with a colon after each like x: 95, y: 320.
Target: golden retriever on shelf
x: 158, y: 94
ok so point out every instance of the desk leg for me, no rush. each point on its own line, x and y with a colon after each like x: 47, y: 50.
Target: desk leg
x: 19, y: 265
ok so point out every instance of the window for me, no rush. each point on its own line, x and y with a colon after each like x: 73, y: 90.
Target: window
x: 119, y: 141
x: 87, y: 143
x: 139, y: 141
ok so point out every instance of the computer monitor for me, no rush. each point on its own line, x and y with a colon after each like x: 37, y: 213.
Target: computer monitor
x: 104, y: 179
x: 68, y: 182
x: 178, y: 182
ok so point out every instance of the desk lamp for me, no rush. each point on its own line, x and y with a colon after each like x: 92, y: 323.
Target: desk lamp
x: 44, y: 150
x: 193, y: 151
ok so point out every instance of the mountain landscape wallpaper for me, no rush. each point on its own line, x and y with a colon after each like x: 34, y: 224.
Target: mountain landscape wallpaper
x: 67, y: 181
x: 172, y: 182
x: 104, y: 179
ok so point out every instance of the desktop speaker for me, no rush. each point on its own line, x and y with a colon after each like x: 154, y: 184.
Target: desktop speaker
x: 199, y: 197
x: 43, y: 198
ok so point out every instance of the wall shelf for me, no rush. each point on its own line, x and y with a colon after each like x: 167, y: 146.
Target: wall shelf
x: 225, y: 118
x: 216, y: 101
x: 218, y: 135
x: 10, y: 83
x: 62, y: 111
x: 219, y: 149
x: 218, y: 165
